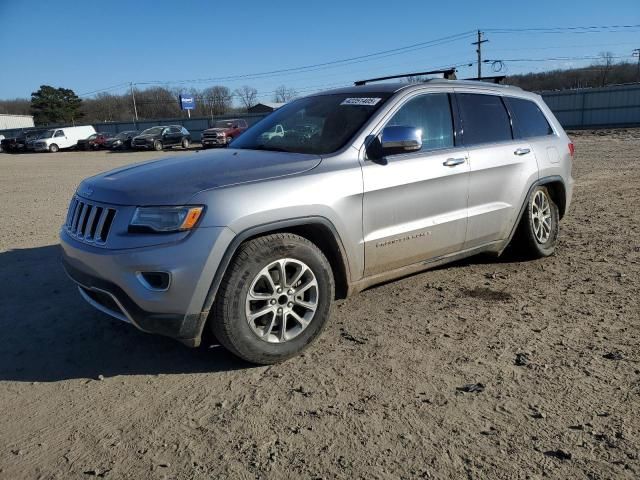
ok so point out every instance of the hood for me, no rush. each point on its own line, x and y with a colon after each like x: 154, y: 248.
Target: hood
x: 217, y: 129
x: 175, y: 180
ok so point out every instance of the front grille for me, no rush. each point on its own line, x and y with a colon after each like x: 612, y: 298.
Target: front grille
x: 88, y: 222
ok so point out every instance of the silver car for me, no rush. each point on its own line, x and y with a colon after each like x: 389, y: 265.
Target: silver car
x: 366, y: 184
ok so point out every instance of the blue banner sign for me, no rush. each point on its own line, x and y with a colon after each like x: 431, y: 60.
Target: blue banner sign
x: 187, y: 102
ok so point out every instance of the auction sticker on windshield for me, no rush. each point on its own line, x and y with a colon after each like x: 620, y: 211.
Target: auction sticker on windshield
x: 369, y: 101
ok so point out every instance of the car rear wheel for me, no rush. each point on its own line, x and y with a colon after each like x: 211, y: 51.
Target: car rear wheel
x: 185, y: 143
x: 53, y: 148
x: 537, y: 234
x: 157, y: 145
x: 274, y: 300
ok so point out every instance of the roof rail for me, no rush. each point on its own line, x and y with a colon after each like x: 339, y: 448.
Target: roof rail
x: 496, y: 79
x: 449, y: 74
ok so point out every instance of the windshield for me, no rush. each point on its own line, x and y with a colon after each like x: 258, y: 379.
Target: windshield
x: 318, y: 125
x: 153, y: 131
x: 223, y: 124
x: 46, y: 134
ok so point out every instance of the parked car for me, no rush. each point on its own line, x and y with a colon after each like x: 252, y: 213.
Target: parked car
x: 276, y: 131
x: 121, y: 141
x: 18, y: 141
x: 223, y: 132
x: 56, y: 139
x: 93, y: 142
x: 256, y: 241
x: 160, y: 137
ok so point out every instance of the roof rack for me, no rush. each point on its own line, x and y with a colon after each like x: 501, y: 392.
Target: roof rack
x: 496, y: 79
x: 449, y: 74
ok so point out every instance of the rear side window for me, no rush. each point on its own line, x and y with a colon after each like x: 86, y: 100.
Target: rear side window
x: 484, y: 119
x: 529, y: 121
x: 432, y: 114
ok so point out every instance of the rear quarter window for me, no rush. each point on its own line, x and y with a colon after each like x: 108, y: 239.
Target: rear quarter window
x: 528, y: 119
x: 484, y: 118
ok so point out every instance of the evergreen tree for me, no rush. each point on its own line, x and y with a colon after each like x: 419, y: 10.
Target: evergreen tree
x: 55, y: 105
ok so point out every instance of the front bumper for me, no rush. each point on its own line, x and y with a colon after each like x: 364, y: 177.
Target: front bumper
x: 109, y: 280
x: 145, y: 145
x: 214, y: 142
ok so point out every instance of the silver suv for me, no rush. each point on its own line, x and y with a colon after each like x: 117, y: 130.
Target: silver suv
x: 366, y: 184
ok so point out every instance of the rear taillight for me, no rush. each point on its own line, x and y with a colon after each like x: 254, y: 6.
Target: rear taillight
x: 572, y: 149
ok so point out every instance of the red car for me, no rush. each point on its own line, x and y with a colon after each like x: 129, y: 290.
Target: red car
x: 223, y: 132
x: 94, y: 142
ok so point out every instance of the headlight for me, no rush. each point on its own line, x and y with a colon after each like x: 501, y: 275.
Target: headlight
x: 166, y: 219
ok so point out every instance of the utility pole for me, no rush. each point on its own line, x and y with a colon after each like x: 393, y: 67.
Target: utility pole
x: 133, y: 97
x: 479, y: 52
x: 636, y: 53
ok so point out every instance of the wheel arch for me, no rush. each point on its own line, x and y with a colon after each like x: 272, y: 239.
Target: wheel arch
x: 318, y: 230
x: 557, y: 190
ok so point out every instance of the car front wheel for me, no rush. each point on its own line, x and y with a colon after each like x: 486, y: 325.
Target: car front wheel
x: 274, y: 300
x: 185, y: 143
x: 157, y: 146
x: 53, y: 148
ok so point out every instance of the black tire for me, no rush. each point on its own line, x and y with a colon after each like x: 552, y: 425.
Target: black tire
x: 185, y: 143
x: 229, y: 322
x: 157, y: 145
x: 228, y: 140
x: 526, y: 241
x: 53, y: 148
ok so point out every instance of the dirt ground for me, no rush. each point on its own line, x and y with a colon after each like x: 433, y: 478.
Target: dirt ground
x: 554, y: 343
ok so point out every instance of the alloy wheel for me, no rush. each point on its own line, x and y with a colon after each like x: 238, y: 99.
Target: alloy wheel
x: 541, y: 216
x: 282, y: 300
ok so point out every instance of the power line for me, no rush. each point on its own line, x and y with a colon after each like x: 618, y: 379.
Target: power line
x: 321, y: 66
x: 584, y: 29
x: 381, y: 55
x: 549, y: 59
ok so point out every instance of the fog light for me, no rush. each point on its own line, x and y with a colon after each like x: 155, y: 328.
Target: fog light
x: 156, y: 281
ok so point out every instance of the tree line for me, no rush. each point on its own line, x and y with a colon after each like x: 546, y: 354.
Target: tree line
x: 51, y: 105
x: 600, y: 74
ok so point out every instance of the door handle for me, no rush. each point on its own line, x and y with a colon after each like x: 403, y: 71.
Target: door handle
x: 522, y: 151
x: 452, y: 162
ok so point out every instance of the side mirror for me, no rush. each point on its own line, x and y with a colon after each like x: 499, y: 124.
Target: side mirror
x: 400, y: 139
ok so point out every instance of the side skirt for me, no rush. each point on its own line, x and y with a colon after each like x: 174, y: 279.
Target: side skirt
x: 422, y: 266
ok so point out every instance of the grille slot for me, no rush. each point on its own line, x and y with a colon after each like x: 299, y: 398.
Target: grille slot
x: 88, y: 222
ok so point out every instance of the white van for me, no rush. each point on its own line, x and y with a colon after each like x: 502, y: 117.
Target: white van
x: 66, y: 137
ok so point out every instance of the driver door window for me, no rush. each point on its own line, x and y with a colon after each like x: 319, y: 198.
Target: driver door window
x: 59, y: 133
x: 432, y: 114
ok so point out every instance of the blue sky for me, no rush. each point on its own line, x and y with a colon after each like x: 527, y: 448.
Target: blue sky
x: 88, y: 46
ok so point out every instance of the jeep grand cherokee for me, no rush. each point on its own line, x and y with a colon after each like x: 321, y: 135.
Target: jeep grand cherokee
x: 366, y: 184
